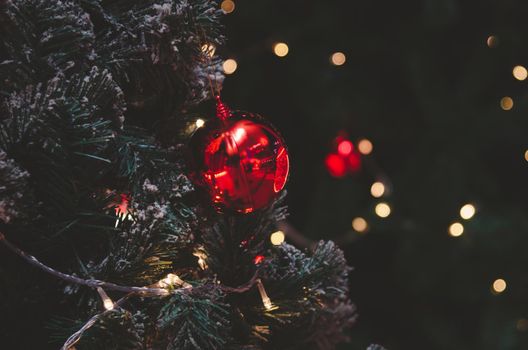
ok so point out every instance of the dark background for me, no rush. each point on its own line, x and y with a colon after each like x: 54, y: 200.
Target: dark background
x: 421, y: 83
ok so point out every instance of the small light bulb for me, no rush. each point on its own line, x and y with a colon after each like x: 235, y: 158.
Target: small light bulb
x: 200, y: 123
x: 266, y: 301
x: 377, y: 189
x: 526, y: 155
x: 382, y: 210
x: 281, y: 49
x: 499, y: 286
x: 338, y: 58
x: 456, y: 229
x: 209, y: 49
x: 107, y: 302
x: 467, y: 211
x: 277, y: 238
x: 359, y: 224
x: 227, y: 6
x: 365, y: 146
x: 229, y: 66
x: 520, y: 73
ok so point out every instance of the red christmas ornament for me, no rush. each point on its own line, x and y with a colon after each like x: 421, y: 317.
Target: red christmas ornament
x: 240, y: 159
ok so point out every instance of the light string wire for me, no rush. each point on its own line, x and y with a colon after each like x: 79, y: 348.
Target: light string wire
x: 147, y: 291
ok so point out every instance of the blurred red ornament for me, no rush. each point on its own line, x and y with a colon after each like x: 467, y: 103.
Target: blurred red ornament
x: 345, y: 147
x: 258, y: 259
x: 344, y: 159
x: 336, y: 165
x: 240, y: 159
x: 354, y: 162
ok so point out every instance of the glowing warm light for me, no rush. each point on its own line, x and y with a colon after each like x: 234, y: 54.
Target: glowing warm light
x: 499, y: 286
x: 520, y: 73
x: 229, y: 66
x: 277, y: 238
x: 281, y: 49
x: 173, y: 280
x: 377, y: 189
x: 526, y: 155
x: 506, y: 103
x: 467, y: 211
x: 359, y: 224
x: 202, y: 257
x: 209, y: 49
x: 227, y: 6
x: 266, y: 301
x: 107, y: 302
x: 492, y: 41
x: 338, y: 58
x: 345, y: 147
x: 382, y: 210
x: 200, y: 123
x: 365, y: 146
x: 456, y: 229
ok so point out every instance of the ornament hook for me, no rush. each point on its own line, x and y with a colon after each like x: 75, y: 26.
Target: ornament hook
x: 222, y: 110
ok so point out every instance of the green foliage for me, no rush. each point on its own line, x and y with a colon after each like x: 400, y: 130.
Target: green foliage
x: 195, y: 321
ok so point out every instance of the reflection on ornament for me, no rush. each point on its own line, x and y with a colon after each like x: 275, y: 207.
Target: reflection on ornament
x: 240, y: 159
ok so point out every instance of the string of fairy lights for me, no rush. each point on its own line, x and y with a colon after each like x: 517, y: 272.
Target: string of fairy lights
x: 379, y: 189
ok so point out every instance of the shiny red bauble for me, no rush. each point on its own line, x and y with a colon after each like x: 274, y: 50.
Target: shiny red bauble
x: 240, y: 159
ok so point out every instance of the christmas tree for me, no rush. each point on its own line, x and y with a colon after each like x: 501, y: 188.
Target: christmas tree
x: 106, y: 241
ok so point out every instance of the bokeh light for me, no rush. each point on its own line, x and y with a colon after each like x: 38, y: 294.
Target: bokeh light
x: 359, y: 224
x: 345, y: 148
x: 229, y: 66
x: 492, y: 41
x: 506, y: 103
x: 365, y: 146
x: 281, y: 49
x: 456, y: 229
x: 377, y: 189
x: 499, y: 286
x: 382, y: 210
x: 520, y: 73
x: 467, y: 211
x: 277, y: 238
x: 227, y: 6
x: 338, y: 58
